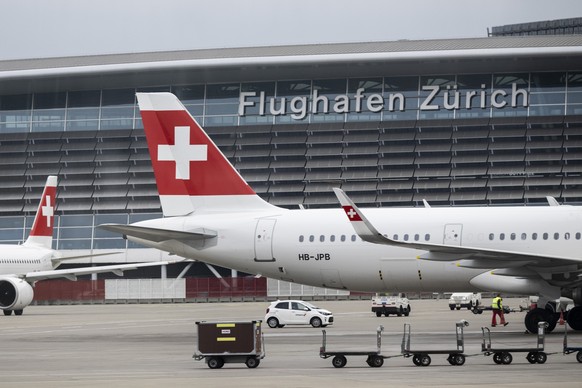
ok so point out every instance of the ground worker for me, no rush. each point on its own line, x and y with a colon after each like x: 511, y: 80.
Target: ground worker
x: 497, y: 306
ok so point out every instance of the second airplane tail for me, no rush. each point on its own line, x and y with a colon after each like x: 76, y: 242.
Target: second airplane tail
x: 191, y: 173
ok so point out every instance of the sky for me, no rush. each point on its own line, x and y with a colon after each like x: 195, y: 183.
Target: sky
x: 55, y: 28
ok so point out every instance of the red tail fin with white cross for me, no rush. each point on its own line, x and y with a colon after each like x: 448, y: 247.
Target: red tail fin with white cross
x: 41, y: 233
x: 191, y: 173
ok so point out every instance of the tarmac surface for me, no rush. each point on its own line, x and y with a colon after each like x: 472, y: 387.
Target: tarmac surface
x: 151, y: 345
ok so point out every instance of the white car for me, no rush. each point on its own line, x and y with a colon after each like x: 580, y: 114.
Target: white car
x: 297, y: 312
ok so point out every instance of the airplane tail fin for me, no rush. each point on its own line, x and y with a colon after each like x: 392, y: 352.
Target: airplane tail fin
x: 41, y: 233
x: 191, y: 173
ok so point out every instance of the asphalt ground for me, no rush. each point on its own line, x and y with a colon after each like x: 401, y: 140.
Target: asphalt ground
x: 151, y: 345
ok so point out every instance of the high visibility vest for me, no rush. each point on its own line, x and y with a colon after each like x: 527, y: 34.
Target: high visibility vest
x: 497, y: 303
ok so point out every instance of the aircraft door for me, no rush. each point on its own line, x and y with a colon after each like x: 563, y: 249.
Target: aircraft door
x: 453, y: 234
x: 264, y: 239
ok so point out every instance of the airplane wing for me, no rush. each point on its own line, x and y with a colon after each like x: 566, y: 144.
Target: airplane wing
x: 72, y: 273
x: 58, y: 260
x: 158, y: 235
x: 470, y: 257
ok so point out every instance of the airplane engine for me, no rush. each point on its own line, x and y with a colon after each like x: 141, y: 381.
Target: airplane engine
x: 515, y: 285
x: 15, y: 294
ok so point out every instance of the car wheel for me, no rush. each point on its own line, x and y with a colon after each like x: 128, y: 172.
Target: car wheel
x: 273, y: 322
x: 315, y: 322
x: 579, y: 357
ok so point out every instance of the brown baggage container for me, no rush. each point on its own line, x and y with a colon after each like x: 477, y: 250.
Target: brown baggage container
x: 230, y: 342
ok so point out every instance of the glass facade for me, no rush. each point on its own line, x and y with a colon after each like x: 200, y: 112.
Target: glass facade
x: 386, y: 99
x: 470, y: 139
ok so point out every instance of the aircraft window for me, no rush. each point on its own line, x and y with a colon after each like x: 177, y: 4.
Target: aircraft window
x: 534, y: 236
x: 578, y: 236
x: 301, y: 238
x: 566, y: 236
x: 502, y: 236
x: 524, y: 236
x: 426, y: 237
x: 556, y: 236
x: 332, y: 238
x: 322, y: 238
x: 311, y: 238
x: 353, y: 237
x: 513, y: 236
x: 395, y: 237
x: 491, y: 236
x: 416, y: 237
x: 406, y: 237
x: 343, y: 237
x: 545, y: 236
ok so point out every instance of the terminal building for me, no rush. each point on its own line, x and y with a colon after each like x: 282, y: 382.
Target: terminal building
x: 483, y: 121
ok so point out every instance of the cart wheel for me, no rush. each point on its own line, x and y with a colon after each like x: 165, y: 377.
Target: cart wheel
x: 506, y: 358
x: 416, y: 360
x: 252, y: 362
x: 273, y: 322
x: 531, y: 357
x: 215, y: 362
x: 459, y: 359
x: 451, y: 359
x: 541, y: 358
x: 378, y: 314
x: 339, y: 361
x: 425, y: 360
x: 579, y: 357
x: 375, y: 361
x: 497, y: 358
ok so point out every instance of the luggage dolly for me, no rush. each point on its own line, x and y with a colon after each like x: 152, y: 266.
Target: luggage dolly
x: 503, y: 355
x: 422, y: 358
x: 571, y: 349
x: 374, y: 359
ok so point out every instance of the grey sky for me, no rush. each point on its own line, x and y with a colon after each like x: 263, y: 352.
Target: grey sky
x: 42, y: 28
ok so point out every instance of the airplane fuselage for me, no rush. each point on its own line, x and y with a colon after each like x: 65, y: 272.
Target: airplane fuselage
x: 320, y: 248
x: 20, y: 259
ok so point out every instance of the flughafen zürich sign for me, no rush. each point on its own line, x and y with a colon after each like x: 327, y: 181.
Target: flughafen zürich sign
x: 451, y: 99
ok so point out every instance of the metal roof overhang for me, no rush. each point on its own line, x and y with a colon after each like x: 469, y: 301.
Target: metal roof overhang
x: 158, y: 72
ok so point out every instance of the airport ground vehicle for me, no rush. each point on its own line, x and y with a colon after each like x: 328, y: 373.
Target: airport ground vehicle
x: 230, y: 342
x: 397, y: 304
x: 297, y: 312
x: 374, y: 358
x: 503, y: 355
x: 466, y: 300
x: 422, y: 358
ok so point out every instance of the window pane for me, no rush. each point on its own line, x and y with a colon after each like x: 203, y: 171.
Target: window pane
x: 223, y: 93
x: 50, y: 100
x: 88, y: 98
x: 118, y: 97
x: 192, y: 94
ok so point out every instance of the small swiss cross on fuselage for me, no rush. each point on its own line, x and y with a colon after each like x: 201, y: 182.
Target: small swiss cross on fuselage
x: 182, y: 152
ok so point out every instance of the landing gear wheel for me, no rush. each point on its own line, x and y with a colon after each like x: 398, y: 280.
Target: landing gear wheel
x: 18, y: 312
x: 506, y: 358
x: 535, y: 316
x: 375, y: 361
x: 7, y: 312
x: 579, y: 357
x: 339, y: 361
x: 497, y: 358
x: 252, y: 362
x: 425, y: 360
x: 574, y: 318
x: 273, y: 322
x: 416, y: 360
x: 459, y: 359
x: 541, y: 358
x: 215, y: 362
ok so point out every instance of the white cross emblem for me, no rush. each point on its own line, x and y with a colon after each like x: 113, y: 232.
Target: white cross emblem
x: 352, y: 213
x: 47, y: 211
x: 182, y: 152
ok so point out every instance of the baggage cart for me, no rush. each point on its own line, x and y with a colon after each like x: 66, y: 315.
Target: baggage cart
x: 230, y: 342
x: 503, y: 355
x: 422, y: 357
x: 571, y: 349
x: 374, y: 358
